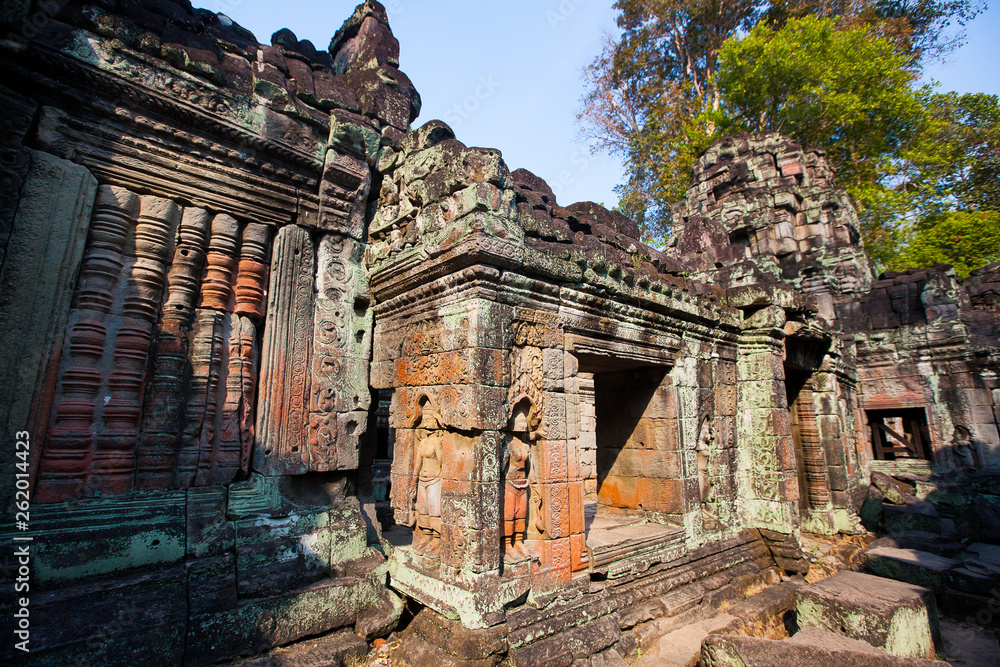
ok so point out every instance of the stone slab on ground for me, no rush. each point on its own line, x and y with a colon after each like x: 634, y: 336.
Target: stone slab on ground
x: 986, y: 556
x: 737, y: 651
x: 968, y: 645
x: 909, y: 565
x: 914, y: 515
x: 922, y: 541
x: 819, y: 638
x: 682, y: 647
x: 894, y: 491
x: 340, y: 649
x: 896, y: 617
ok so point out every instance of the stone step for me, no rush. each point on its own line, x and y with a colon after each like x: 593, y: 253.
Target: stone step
x: 336, y: 650
x: 819, y: 638
x: 909, y: 565
x: 767, y: 614
x: 738, y: 651
x: 922, y: 541
x: 682, y: 647
x: 897, y: 617
x: 914, y: 515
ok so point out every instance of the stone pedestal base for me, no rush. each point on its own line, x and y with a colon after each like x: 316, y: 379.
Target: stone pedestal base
x: 432, y: 639
x: 475, y: 599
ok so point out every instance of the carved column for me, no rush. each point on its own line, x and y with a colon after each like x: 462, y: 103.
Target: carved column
x: 162, y: 417
x: 236, y: 433
x: 217, y: 287
x: 251, y: 281
x: 282, y: 419
x: 113, y: 467
x: 207, y: 357
x: 67, y: 455
x: 767, y: 469
x: 231, y: 451
x: 814, y: 459
x: 209, y: 349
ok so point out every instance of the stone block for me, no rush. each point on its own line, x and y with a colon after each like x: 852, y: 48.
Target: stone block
x: 564, y: 648
x: 340, y: 649
x: 137, y: 619
x: 891, y: 489
x: 918, y: 515
x: 208, y: 531
x: 896, y: 617
x: 111, y: 535
x: 765, y: 614
x: 736, y: 651
x: 211, y: 584
x: 909, y: 565
x: 381, y: 617
x: 258, y: 625
x: 452, y: 639
x: 276, y: 555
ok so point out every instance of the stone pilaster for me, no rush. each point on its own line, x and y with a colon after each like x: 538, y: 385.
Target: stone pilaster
x: 281, y: 442
x: 36, y: 285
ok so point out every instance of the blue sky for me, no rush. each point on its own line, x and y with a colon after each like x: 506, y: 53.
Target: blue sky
x: 508, y: 75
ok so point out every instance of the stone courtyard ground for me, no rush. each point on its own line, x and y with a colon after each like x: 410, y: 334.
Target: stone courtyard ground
x: 962, y: 643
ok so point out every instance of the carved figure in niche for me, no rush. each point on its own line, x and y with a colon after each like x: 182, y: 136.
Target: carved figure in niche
x: 427, y: 466
x: 518, y: 474
x: 705, y: 485
x: 964, y: 449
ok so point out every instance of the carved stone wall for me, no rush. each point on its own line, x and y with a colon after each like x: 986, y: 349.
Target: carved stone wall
x: 182, y: 236
x: 213, y: 251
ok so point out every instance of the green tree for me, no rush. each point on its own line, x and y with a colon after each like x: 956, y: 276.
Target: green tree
x: 958, y: 164
x: 654, y: 99
x: 920, y: 28
x: 964, y: 239
x: 841, y: 89
x: 646, y: 90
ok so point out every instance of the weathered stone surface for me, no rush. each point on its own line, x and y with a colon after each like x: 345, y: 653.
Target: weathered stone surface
x: 893, y: 491
x: 282, y: 422
x: 270, y: 242
x: 896, y: 617
x: 43, y: 257
x: 682, y: 647
x: 914, y: 515
x: 340, y: 649
x: 731, y: 651
x: 767, y: 614
x: 130, y: 618
x: 909, y: 565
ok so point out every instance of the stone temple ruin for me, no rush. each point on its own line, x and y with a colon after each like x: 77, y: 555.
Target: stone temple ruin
x: 288, y: 366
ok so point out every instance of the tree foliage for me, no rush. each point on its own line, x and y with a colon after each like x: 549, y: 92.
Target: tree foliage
x: 836, y: 74
x: 919, y: 28
x: 959, y: 164
x: 841, y: 89
x: 646, y: 90
x: 964, y: 239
